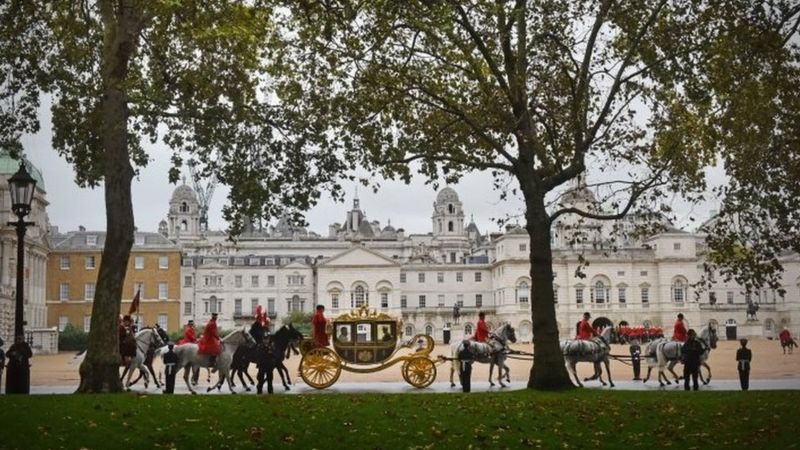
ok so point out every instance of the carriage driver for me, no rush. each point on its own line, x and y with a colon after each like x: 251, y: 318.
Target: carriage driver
x: 318, y: 327
x: 679, y: 333
x: 209, y: 342
x: 585, y: 330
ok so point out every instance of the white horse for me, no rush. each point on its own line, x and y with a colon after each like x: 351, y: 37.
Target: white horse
x: 146, y: 339
x: 595, y: 351
x: 494, y: 352
x: 668, y: 355
x: 190, y: 359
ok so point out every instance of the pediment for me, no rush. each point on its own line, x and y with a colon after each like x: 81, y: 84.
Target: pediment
x: 359, y: 256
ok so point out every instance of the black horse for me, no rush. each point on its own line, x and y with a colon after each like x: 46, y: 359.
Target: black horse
x: 270, y: 356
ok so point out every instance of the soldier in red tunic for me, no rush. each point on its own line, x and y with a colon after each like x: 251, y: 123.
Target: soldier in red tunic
x: 679, y: 332
x: 318, y: 327
x: 585, y: 330
x: 261, y: 317
x: 189, y: 336
x: 209, y: 342
x: 481, y: 330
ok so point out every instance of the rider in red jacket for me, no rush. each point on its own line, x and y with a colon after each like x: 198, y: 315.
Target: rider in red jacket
x: 679, y: 332
x: 481, y: 330
x: 585, y: 330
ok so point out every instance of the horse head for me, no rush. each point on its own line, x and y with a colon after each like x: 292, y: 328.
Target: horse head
x: 295, y: 335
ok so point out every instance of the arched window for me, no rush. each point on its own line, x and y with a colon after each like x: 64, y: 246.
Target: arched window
x: 679, y: 287
x: 450, y: 226
x: 600, y: 292
x: 184, y: 226
x: 523, y: 293
x: 450, y: 208
x: 730, y: 322
x: 429, y: 330
x: 359, y: 297
x: 184, y: 207
x: 409, y: 330
x: 296, y: 303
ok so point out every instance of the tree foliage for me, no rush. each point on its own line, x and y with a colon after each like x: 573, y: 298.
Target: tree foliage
x: 125, y: 74
x: 535, y: 92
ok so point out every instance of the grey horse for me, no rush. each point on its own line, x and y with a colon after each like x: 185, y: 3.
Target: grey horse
x: 493, y: 352
x: 595, y: 351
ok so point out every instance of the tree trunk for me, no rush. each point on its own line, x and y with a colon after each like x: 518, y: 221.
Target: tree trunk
x: 100, y: 370
x: 548, y: 371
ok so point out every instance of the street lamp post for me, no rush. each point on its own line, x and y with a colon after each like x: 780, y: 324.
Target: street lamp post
x: 18, y: 380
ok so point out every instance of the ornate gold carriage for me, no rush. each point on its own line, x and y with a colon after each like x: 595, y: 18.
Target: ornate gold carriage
x: 366, y: 341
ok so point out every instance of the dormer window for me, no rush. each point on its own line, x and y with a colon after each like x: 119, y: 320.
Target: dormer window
x: 91, y: 240
x: 139, y: 239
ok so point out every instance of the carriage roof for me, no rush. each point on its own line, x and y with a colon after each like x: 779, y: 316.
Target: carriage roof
x: 364, y: 314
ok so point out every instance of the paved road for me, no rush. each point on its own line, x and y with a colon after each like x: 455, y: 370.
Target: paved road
x: 481, y: 386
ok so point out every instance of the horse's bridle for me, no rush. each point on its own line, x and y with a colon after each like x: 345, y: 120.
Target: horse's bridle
x: 152, y: 344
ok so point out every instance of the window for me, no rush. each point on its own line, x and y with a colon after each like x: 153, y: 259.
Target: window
x: 187, y: 281
x: 237, y: 281
x: 452, y: 257
x: 139, y: 239
x: 402, y: 277
x: 459, y: 277
x: 213, y: 305
x: 403, y: 301
x: 238, y: 261
x: 187, y: 308
x: 163, y: 262
x: 730, y: 297
x: 63, y: 321
x: 478, y: 300
x: 63, y: 292
x: 622, y: 295
x: 91, y: 240
x: 712, y: 298
x: 253, y: 306
x: 477, y: 277
x: 620, y: 273
x: 676, y: 246
x: 271, y: 306
x: 295, y: 304
x: 359, y: 296
x: 409, y: 331
x: 421, y: 301
x: 421, y: 277
x: 440, y: 277
x: 90, y: 263
x: 335, y: 300
x: 468, y: 330
x: 138, y: 286
x: 138, y: 262
x: 643, y: 273
x: 429, y: 330
x: 184, y: 207
x: 600, y: 292
x: 163, y: 321
x: 270, y: 280
x: 460, y: 300
x: 254, y: 280
x: 523, y: 292
x: 88, y: 291
x: 678, y: 291
x: 252, y: 261
x: 555, y: 294
x: 579, y: 295
x: 237, y: 307
x: 440, y: 300
x: 523, y: 247
x: 65, y: 263
x: 163, y: 290
x: 384, y: 299
x: 645, y: 295
x: 87, y: 323
x: 295, y: 280
x: 187, y: 262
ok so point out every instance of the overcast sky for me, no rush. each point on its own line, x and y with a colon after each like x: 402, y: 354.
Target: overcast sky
x: 407, y: 206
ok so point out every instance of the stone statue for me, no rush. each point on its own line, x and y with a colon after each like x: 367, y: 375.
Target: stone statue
x: 752, y: 308
x: 456, y: 313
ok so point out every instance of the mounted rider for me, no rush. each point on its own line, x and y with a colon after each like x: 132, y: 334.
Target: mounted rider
x: 189, y: 334
x: 679, y: 332
x: 481, y: 330
x: 209, y: 342
x: 262, y: 318
x: 127, y: 341
x: 585, y: 330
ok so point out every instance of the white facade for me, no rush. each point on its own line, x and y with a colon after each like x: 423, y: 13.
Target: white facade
x: 420, y: 277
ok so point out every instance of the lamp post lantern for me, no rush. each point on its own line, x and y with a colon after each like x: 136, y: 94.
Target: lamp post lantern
x: 18, y: 380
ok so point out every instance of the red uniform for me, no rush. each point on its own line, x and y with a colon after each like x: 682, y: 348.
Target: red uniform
x: 209, y: 343
x: 188, y: 336
x: 785, y: 337
x: 261, y: 316
x: 318, y: 325
x: 481, y: 331
x: 679, y: 332
x: 585, y: 330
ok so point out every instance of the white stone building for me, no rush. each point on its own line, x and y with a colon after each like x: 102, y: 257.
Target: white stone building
x: 420, y: 277
x: 37, y: 248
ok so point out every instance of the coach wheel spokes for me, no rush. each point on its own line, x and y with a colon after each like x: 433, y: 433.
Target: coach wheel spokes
x: 419, y: 372
x: 320, y: 368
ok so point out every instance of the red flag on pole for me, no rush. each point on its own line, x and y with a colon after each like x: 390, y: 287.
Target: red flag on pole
x: 134, y: 304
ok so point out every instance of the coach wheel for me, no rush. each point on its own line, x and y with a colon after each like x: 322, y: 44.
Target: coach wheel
x: 419, y: 372
x: 320, y: 367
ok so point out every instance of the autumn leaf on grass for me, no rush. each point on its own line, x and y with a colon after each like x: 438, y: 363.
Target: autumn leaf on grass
x: 287, y: 437
x: 255, y: 433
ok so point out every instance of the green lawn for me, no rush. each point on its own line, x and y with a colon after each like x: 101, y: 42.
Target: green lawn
x: 518, y: 419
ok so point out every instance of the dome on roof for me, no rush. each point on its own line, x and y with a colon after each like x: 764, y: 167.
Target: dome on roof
x: 447, y: 194
x: 472, y: 227
x: 389, y: 229
x: 10, y: 166
x: 183, y: 193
